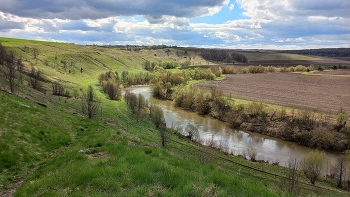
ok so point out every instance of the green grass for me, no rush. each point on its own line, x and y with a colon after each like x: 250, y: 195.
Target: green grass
x: 56, y: 151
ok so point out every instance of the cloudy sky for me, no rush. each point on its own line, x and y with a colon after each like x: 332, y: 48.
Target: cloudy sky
x: 269, y: 24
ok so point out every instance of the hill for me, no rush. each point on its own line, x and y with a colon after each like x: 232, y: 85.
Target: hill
x: 49, y: 148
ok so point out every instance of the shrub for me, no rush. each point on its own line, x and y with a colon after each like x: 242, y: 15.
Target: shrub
x: 270, y: 69
x: 192, y: 132
x: 256, y: 69
x: 234, y: 119
x: 283, y: 69
x: 322, y: 137
x: 312, y: 165
x: 291, y: 69
x: 255, y: 109
x: 112, y: 89
x: 300, y: 68
x: 341, y: 119
x: 229, y: 70
x: 157, y: 116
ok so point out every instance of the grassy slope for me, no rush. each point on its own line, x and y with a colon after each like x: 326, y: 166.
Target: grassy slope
x: 58, y: 152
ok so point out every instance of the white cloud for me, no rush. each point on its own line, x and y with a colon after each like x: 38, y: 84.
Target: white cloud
x: 266, y: 23
x: 232, y: 6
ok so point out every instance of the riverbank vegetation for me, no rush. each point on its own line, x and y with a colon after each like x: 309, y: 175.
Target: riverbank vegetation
x: 50, y: 147
x: 301, y: 126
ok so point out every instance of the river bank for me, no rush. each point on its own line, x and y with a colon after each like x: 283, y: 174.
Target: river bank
x: 238, y: 142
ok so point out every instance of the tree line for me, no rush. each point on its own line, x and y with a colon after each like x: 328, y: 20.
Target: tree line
x: 329, y: 52
x: 222, y: 55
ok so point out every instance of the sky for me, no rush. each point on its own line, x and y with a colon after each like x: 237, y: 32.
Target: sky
x: 236, y: 24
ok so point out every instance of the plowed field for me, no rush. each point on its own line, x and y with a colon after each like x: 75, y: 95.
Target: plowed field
x: 319, y: 93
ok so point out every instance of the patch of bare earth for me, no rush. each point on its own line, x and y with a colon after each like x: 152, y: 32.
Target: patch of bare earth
x: 12, y: 189
x: 320, y: 93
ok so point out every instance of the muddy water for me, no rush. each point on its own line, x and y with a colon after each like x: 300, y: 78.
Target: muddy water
x: 237, y: 142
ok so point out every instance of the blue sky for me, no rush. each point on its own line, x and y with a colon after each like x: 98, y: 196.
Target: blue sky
x: 240, y: 24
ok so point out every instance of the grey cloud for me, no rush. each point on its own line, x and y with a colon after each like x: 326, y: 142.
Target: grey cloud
x: 83, y: 9
x: 7, y: 25
x: 329, y: 8
x: 167, y: 19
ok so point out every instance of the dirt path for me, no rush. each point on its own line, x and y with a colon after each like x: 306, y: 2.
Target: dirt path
x: 13, y: 188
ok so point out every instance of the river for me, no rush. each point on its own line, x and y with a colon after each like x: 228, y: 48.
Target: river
x: 237, y: 142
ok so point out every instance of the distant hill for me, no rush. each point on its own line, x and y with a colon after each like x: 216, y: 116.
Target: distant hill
x: 327, y: 52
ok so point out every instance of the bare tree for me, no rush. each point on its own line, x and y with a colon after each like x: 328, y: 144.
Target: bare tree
x: 34, y: 78
x: 90, y: 103
x: 293, y: 176
x: 57, y: 89
x: 10, y: 74
x: 339, y: 170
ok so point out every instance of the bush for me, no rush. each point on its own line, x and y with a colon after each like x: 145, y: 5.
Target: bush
x: 229, y: 70
x: 157, y: 116
x: 255, y: 109
x: 234, y: 119
x: 192, y: 132
x: 256, y: 69
x: 312, y: 165
x: 300, y: 68
x: 322, y: 137
x: 112, y: 89
x: 270, y: 69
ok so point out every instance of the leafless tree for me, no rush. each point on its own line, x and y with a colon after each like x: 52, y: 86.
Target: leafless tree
x: 57, y: 89
x: 10, y: 74
x: 339, y: 170
x: 34, y: 78
x: 293, y: 177
x: 90, y: 103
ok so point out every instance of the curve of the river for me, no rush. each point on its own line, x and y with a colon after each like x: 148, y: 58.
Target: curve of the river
x: 267, y: 148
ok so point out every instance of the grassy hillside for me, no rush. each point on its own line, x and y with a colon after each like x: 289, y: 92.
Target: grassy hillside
x: 48, y: 148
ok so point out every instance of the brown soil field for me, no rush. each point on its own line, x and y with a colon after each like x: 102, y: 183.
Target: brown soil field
x: 326, y: 93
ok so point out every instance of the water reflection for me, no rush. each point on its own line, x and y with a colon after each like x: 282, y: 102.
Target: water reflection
x: 237, y: 142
